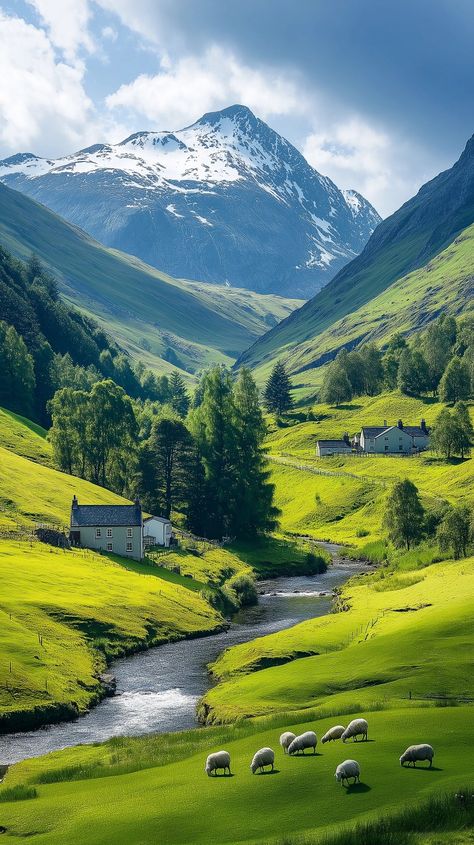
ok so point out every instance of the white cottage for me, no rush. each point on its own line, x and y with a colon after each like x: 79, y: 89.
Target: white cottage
x: 394, y: 439
x: 325, y: 448
x: 157, y: 531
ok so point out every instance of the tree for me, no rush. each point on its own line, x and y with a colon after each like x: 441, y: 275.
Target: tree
x: 68, y: 433
x: 277, y: 394
x: 254, y: 508
x: 404, y: 515
x: 465, y: 429
x: 445, y: 434
x: 179, y: 399
x: 212, y: 424
x: 456, y: 381
x: 413, y: 375
x: 336, y: 386
x: 17, y: 375
x: 391, y: 360
x: 436, y: 345
x: 111, y: 428
x: 164, y: 467
x: 373, y: 369
x: 454, y: 531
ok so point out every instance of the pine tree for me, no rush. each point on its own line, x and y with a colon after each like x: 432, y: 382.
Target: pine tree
x: 254, y: 511
x: 179, y: 399
x: 404, y: 515
x: 169, y: 451
x: 277, y: 394
x: 336, y: 385
x: 456, y: 381
x: 17, y: 376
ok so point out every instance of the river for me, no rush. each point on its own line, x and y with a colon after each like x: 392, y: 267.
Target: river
x: 157, y: 690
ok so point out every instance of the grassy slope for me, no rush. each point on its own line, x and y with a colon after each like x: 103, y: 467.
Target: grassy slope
x: 170, y: 801
x: 134, y: 301
x: 443, y: 284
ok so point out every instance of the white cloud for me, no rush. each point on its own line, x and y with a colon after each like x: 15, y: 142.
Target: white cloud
x: 67, y: 24
x: 109, y: 33
x: 183, y: 91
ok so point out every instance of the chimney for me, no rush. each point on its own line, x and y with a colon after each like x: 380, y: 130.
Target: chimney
x: 74, y: 501
x: 400, y: 424
x: 345, y: 437
x: 385, y: 424
x: 423, y: 426
x: 137, y: 502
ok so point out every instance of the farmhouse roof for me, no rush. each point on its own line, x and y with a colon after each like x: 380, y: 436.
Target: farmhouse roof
x: 158, y: 519
x: 109, y: 516
x: 376, y: 431
x: 342, y: 443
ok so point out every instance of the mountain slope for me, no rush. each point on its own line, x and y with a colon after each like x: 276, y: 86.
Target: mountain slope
x: 139, y: 305
x: 224, y: 200
x: 379, y: 291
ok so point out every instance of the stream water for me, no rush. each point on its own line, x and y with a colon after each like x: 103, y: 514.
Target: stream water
x: 157, y: 690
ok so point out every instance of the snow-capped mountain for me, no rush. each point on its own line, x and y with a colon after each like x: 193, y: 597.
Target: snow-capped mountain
x: 224, y: 200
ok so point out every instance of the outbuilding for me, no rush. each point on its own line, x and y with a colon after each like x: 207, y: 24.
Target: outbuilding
x: 157, y: 531
x: 324, y: 448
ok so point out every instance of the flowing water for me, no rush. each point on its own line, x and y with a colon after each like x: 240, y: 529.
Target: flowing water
x: 158, y: 690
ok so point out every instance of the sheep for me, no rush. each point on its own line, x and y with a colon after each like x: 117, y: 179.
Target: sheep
x: 262, y: 758
x: 218, y: 760
x: 286, y: 739
x: 300, y: 743
x: 333, y: 733
x: 416, y: 753
x: 356, y: 728
x: 348, y: 769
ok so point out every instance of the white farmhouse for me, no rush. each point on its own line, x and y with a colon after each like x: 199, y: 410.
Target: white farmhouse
x: 394, y: 439
x: 157, y: 531
x: 325, y: 448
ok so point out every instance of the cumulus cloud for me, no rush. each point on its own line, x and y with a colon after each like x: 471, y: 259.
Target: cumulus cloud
x: 183, y: 91
x: 67, y: 24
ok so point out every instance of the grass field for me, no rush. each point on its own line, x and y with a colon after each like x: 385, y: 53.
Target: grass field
x: 173, y: 801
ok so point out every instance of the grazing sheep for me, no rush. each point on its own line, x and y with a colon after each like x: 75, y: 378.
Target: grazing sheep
x: 333, y: 733
x: 348, y: 769
x: 286, y: 739
x: 415, y: 753
x: 218, y: 760
x: 358, y: 727
x: 262, y: 758
x: 300, y: 743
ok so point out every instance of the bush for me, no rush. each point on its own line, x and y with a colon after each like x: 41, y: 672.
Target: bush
x: 243, y: 586
x: 315, y: 564
x: 362, y: 532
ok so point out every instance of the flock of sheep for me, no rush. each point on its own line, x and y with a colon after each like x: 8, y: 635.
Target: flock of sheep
x: 292, y: 744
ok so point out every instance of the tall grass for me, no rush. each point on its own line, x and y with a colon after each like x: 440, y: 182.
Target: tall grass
x: 20, y: 792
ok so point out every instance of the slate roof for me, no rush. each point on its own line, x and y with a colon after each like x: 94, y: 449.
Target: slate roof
x: 334, y: 443
x: 376, y: 431
x: 106, y: 516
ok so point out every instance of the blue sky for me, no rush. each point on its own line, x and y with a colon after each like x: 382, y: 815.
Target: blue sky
x: 378, y: 94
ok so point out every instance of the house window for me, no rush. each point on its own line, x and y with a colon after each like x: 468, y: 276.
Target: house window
x: 129, y: 532
x: 109, y: 532
x: 110, y: 547
x: 385, y: 438
x: 98, y: 532
x: 400, y: 448
x: 129, y: 547
x: 386, y: 447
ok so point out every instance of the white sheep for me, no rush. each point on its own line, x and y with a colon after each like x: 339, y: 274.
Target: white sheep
x: 262, y: 758
x: 417, y: 753
x: 358, y: 727
x: 348, y: 769
x: 333, y: 733
x: 286, y: 739
x: 218, y: 760
x: 300, y: 743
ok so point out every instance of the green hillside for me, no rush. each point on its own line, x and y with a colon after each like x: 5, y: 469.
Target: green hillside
x: 147, y: 311
x: 417, y: 261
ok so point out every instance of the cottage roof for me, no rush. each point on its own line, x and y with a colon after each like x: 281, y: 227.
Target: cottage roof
x: 158, y: 519
x: 105, y: 515
x: 376, y: 431
x: 338, y: 443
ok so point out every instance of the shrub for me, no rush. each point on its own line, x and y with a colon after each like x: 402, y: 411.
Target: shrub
x: 243, y: 586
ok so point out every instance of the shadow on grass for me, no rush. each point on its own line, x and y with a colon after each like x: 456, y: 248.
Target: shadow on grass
x: 228, y: 775
x: 356, y: 788
x: 423, y: 768
x: 304, y: 756
x: 269, y: 772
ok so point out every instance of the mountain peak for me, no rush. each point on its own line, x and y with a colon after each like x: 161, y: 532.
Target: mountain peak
x: 237, y: 113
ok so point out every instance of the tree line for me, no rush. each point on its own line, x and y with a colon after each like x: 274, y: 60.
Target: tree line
x: 438, y: 361
x: 206, y: 463
x: 408, y: 523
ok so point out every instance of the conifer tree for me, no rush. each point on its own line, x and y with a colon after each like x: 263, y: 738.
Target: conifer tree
x: 179, y: 399
x: 17, y: 376
x: 277, y: 394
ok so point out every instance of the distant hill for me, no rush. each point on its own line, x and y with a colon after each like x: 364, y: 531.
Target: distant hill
x: 417, y: 263
x: 224, y: 200
x: 162, y: 320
